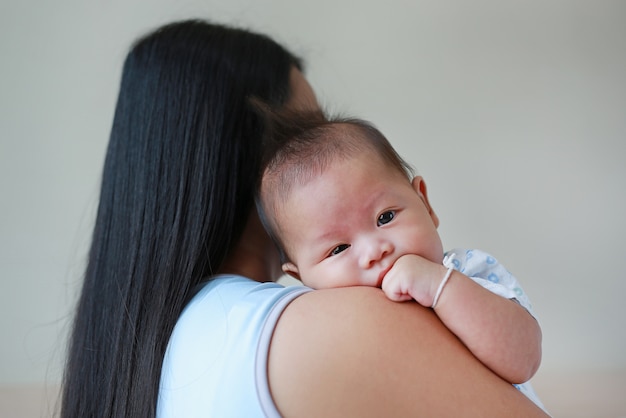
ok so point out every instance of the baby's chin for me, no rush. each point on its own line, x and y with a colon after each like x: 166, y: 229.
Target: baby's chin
x: 333, y: 284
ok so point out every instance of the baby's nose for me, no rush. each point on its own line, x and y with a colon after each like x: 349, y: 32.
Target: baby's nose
x: 374, y: 253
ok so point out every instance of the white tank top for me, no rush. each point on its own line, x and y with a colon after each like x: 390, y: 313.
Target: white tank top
x: 216, y: 359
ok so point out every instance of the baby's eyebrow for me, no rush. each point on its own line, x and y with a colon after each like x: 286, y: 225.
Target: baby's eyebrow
x: 325, y: 240
x: 325, y: 235
x: 322, y: 245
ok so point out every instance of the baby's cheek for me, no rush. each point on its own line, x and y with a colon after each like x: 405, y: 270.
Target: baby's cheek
x: 340, y: 276
x: 320, y: 278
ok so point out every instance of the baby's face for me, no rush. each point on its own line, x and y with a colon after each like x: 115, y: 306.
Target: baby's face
x: 348, y: 226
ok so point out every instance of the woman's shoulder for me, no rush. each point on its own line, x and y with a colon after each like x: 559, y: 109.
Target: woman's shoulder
x: 214, y: 303
x: 397, y: 359
x: 233, y: 290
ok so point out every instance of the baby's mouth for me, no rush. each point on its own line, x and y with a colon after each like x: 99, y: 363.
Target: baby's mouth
x: 382, y: 274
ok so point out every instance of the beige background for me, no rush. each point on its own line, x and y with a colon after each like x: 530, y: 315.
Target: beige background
x: 514, y: 112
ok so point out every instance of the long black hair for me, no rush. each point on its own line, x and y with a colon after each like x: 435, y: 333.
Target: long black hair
x: 177, y: 188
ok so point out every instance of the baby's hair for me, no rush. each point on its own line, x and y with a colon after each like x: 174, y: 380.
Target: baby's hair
x: 300, y: 145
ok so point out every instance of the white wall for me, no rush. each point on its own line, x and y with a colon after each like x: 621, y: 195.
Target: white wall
x: 514, y: 112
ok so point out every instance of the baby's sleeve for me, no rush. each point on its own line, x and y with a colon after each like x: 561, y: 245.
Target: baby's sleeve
x: 485, y: 270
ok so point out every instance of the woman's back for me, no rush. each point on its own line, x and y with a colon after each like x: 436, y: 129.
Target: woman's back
x: 216, y: 361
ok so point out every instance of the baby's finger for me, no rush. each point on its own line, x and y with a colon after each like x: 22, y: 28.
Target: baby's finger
x: 393, y: 290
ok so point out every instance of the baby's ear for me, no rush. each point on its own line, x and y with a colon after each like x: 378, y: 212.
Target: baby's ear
x: 419, y: 185
x: 292, y: 270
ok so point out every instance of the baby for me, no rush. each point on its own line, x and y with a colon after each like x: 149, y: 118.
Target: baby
x: 346, y: 210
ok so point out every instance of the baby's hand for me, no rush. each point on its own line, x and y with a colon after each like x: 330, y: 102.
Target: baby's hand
x: 413, y: 277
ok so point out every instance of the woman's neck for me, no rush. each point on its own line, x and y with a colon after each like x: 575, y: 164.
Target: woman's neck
x: 255, y: 255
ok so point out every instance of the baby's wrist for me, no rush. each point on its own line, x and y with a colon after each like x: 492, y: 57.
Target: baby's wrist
x: 448, y: 268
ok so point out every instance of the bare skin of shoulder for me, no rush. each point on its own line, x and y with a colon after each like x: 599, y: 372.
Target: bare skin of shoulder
x: 352, y: 352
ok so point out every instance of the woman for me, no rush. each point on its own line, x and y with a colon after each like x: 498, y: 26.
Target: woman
x: 178, y: 243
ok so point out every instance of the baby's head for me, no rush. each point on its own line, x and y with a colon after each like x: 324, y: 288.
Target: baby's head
x: 341, y: 203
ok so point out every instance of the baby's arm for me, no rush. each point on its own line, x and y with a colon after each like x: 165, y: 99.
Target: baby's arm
x: 500, y: 332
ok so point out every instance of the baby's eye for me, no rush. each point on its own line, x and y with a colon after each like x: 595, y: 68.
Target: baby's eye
x: 339, y: 248
x: 386, y: 217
